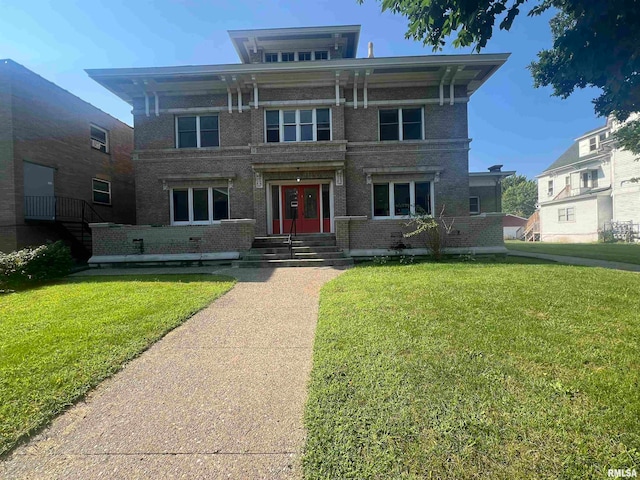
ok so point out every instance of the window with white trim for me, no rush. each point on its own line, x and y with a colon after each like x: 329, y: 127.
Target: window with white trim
x: 304, y: 56
x: 270, y: 57
x: 99, y: 139
x: 298, y: 125
x: 197, y: 131
x: 592, y: 144
x: 566, y: 215
x: 321, y: 55
x: 101, y: 191
x: 288, y: 56
x: 401, y: 124
x: 589, y: 179
x: 550, y: 188
x: 474, y: 205
x: 199, y: 205
x: 400, y: 199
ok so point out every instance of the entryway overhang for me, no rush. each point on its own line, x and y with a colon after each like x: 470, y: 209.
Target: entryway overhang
x: 297, y: 166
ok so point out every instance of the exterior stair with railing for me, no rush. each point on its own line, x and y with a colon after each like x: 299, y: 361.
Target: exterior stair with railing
x: 531, y: 231
x: 312, y: 250
x: 70, y: 217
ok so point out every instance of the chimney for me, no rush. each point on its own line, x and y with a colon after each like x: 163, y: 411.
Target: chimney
x: 370, y: 50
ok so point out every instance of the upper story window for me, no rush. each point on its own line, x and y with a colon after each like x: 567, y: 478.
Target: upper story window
x: 592, y: 144
x: 298, y: 125
x: 401, y: 124
x: 197, y: 131
x: 590, y: 179
x: 399, y: 199
x: 99, y: 139
x: 101, y: 191
x: 550, y: 188
x: 302, y: 56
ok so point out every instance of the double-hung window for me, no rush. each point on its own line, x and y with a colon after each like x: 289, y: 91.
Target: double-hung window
x: 99, y: 139
x: 401, y: 124
x: 474, y: 205
x: 197, y: 131
x: 298, y: 125
x: 400, y: 199
x: 566, y: 214
x: 199, y: 205
x: 101, y: 191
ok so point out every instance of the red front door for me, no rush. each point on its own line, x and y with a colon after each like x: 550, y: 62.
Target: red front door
x: 301, y: 203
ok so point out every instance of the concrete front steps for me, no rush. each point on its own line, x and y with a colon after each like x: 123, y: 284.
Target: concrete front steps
x: 313, y: 250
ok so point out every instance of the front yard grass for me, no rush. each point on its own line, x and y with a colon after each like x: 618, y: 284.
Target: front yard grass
x: 475, y: 370
x: 60, y: 340
x: 612, y: 252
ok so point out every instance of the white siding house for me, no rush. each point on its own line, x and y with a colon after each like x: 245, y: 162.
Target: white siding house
x: 588, y: 187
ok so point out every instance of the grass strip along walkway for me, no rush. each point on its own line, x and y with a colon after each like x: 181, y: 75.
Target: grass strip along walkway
x: 60, y: 340
x: 469, y: 370
x: 612, y: 252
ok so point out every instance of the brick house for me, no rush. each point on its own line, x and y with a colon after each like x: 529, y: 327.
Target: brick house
x: 301, y: 137
x: 63, y: 164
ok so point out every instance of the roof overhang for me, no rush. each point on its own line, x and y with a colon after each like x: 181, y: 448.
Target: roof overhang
x: 470, y: 71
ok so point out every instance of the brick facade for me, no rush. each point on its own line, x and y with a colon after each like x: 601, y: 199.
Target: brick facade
x: 43, y: 124
x: 352, y: 161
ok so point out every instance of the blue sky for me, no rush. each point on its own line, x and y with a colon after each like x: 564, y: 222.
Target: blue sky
x: 510, y: 122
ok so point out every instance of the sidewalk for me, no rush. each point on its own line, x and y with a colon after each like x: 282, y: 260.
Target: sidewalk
x: 587, y: 262
x: 220, y: 397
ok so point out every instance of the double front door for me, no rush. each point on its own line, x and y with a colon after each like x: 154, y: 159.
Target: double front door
x: 301, y: 209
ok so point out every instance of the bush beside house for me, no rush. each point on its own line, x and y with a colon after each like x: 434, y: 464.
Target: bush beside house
x: 34, y: 265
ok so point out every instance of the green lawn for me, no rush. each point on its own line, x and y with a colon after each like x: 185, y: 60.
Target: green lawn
x: 614, y: 252
x: 475, y: 370
x: 60, y: 340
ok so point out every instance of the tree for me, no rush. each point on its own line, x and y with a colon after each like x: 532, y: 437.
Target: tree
x: 519, y: 196
x: 595, y: 43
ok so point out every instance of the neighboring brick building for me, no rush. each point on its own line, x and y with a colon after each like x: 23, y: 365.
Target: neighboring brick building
x: 356, y: 144
x: 63, y: 163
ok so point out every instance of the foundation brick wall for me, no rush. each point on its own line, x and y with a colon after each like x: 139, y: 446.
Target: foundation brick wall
x: 46, y: 125
x: 228, y: 236
x: 466, y: 232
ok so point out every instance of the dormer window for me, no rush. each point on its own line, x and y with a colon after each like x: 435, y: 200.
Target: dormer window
x: 592, y: 144
x: 288, y: 57
x: 303, y: 56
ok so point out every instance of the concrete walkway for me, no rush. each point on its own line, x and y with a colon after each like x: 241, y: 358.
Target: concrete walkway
x: 587, y: 262
x: 220, y: 397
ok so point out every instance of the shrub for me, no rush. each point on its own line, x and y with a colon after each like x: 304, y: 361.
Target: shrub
x: 35, y: 264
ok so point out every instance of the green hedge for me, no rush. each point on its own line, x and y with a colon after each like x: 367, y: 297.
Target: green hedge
x: 34, y: 264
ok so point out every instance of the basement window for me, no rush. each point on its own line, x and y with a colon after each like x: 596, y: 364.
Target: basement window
x: 101, y: 191
x: 474, y: 205
x: 99, y: 139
